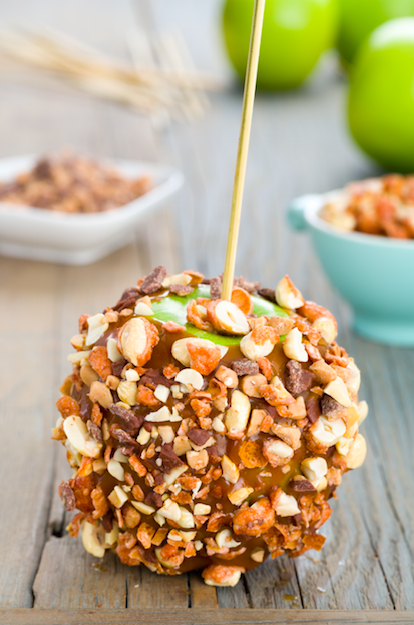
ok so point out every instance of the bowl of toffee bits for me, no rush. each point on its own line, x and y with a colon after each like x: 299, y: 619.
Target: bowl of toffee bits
x: 364, y: 238
x: 72, y: 209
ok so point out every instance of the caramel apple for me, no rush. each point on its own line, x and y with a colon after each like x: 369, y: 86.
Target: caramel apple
x: 204, y: 433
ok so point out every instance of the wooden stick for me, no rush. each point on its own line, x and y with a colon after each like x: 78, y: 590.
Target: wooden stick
x: 245, y: 127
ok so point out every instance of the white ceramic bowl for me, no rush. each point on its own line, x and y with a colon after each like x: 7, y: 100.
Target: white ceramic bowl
x: 78, y: 239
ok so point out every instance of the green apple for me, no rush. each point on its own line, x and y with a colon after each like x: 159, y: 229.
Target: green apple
x: 295, y: 33
x: 174, y: 308
x: 381, y: 96
x: 358, y: 18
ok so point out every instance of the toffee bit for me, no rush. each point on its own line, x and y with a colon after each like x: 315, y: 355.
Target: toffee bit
x: 127, y: 450
x: 298, y: 379
x: 169, y: 459
x: 297, y: 519
x: 216, y: 285
x: 301, y: 486
x: 199, y: 437
x: 269, y: 294
x: 250, y: 287
x: 330, y: 406
x: 118, y: 366
x: 152, y: 378
x: 127, y: 299
x: 313, y: 410
x: 181, y: 289
x: 244, y: 366
x: 153, y: 499
x: 127, y: 416
x: 124, y: 437
x: 94, y: 431
x: 67, y: 496
x: 152, y: 282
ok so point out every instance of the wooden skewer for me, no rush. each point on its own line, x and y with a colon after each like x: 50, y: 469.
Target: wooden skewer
x: 245, y: 127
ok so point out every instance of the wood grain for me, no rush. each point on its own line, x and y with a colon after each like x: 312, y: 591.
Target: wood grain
x: 298, y: 145
x: 27, y: 333
x: 201, y: 617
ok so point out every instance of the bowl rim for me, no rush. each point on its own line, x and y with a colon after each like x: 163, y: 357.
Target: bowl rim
x: 312, y: 216
x: 174, y: 179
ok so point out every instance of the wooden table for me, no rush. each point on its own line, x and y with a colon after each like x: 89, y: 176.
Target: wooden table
x: 299, y: 144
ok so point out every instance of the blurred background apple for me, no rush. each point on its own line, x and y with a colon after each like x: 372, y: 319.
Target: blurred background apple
x: 358, y: 18
x: 381, y: 97
x: 295, y: 34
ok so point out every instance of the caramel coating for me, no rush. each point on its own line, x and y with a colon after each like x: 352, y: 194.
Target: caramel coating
x: 217, y: 469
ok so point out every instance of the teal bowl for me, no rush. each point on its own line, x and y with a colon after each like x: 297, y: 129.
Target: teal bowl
x: 374, y: 274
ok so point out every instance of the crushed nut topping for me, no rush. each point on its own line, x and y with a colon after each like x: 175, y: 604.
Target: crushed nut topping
x: 382, y: 206
x: 180, y: 444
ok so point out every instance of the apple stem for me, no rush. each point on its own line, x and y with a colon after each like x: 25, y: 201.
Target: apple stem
x: 243, y: 148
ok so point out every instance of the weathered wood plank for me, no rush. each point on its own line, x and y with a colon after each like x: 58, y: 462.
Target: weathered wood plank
x: 387, y: 502
x: 149, y: 590
x: 70, y: 578
x: 28, y: 327
x: 202, y: 596
x: 274, y: 585
x: 202, y: 617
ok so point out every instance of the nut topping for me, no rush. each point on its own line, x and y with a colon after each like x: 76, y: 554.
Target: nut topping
x: 287, y: 295
x: 142, y: 309
x: 277, y: 452
x: 283, y: 504
x: 136, y: 340
x: 93, y: 539
x: 227, y: 376
x: 113, y: 354
x: 238, y: 496
x: 327, y: 433
x: 227, y: 317
x: 78, y: 436
x: 237, y: 416
x: 96, y: 327
x: 293, y: 346
x: 338, y: 391
x: 100, y: 394
x: 314, y: 469
x: 254, y: 347
x: 209, y: 355
x: 357, y: 452
x: 323, y: 372
x: 230, y: 470
x: 251, y: 383
x: 181, y: 278
x: 219, y: 575
x: 192, y: 379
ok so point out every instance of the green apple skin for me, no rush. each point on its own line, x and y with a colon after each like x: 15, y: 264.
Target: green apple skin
x: 381, y: 96
x: 358, y: 18
x: 295, y: 34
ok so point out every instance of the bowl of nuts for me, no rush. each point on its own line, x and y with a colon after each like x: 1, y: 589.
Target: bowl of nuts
x: 364, y: 238
x: 74, y: 210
